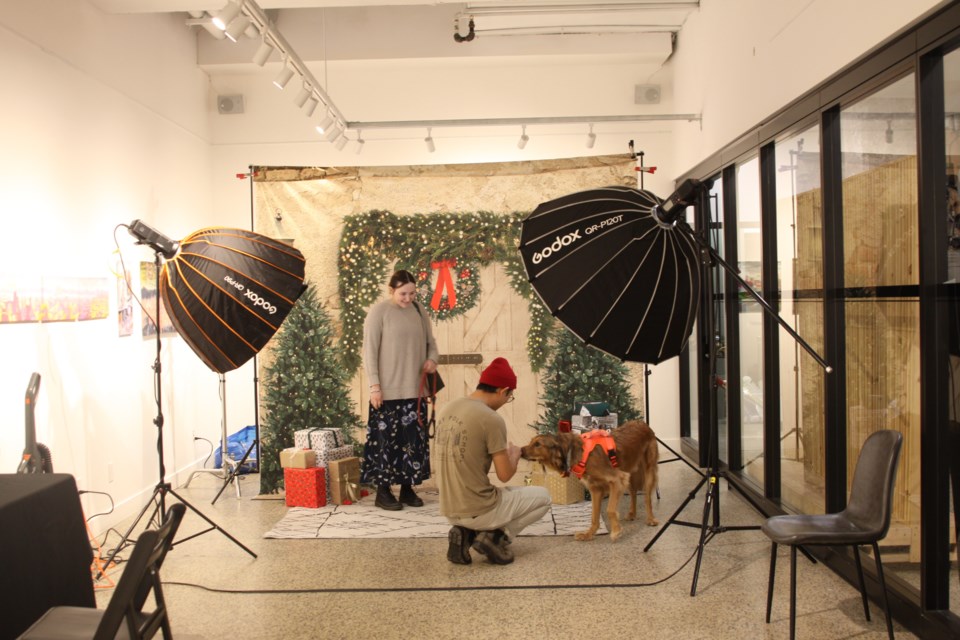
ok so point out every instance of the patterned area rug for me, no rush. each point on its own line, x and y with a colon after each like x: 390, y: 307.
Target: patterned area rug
x: 364, y: 520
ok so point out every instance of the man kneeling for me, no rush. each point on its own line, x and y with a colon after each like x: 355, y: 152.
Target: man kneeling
x: 471, y: 436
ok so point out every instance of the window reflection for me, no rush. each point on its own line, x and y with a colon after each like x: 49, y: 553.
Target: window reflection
x: 951, y: 74
x: 882, y: 338
x: 800, y: 273
x: 750, y: 260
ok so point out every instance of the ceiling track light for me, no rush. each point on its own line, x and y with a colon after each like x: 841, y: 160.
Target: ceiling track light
x: 341, y: 142
x: 284, y: 76
x: 524, y: 138
x: 360, y: 141
x: 226, y: 15
x: 431, y: 147
x: 333, y: 132
x: 325, y: 123
x: 237, y: 27
x: 263, y: 53
x: 257, y: 23
x: 591, y: 138
x: 889, y: 132
x: 303, y: 95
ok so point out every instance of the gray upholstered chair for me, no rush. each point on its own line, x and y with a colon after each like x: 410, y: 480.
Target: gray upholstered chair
x: 124, y: 616
x: 864, y: 521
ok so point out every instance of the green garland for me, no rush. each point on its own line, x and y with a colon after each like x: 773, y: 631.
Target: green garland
x: 371, y: 242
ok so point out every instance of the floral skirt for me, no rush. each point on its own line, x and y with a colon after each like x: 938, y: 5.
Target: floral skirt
x: 396, y: 451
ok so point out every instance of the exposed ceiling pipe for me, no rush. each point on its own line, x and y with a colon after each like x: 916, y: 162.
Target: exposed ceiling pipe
x: 471, y: 34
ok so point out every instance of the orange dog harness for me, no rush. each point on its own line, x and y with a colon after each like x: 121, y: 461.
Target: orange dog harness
x: 592, y: 440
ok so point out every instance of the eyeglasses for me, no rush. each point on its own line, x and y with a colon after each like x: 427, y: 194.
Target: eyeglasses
x: 511, y: 397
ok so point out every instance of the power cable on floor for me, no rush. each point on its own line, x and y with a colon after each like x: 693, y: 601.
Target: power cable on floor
x: 518, y: 587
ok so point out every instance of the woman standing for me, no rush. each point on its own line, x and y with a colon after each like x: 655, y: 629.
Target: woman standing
x: 398, y: 346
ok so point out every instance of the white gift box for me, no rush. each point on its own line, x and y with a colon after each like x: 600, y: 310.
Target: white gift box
x: 317, y: 438
x: 586, y: 423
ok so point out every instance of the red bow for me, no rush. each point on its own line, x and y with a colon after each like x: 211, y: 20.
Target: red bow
x: 444, y: 282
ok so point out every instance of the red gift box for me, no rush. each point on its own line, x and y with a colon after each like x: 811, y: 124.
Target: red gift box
x: 305, y: 487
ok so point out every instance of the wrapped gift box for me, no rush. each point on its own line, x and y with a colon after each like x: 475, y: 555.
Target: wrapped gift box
x: 344, y: 477
x: 326, y: 456
x: 318, y: 438
x: 564, y: 490
x: 586, y: 423
x: 305, y: 487
x: 294, y: 458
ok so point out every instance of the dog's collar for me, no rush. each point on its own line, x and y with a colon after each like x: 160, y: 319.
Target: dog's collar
x: 591, y: 440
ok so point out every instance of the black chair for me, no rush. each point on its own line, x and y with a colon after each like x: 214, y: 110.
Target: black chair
x: 865, y: 520
x: 124, y: 616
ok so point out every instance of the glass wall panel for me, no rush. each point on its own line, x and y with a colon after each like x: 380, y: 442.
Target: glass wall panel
x: 719, y: 319
x: 693, y: 359
x: 951, y: 74
x: 800, y: 281
x: 879, y: 172
x: 749, y: 261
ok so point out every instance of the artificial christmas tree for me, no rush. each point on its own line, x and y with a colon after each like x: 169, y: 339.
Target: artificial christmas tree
x: 305, y: 387
x: 578, y: 373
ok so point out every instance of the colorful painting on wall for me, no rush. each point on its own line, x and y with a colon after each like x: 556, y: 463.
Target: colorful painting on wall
x: 148, y: 298
x: 53, y: 299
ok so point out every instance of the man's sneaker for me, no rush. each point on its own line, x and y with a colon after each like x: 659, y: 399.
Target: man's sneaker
x: 497, y: 553
x: 459, y: 550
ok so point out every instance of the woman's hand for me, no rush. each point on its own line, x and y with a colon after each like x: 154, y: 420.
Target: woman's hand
x: 376, y: 397
x: 430, y: 366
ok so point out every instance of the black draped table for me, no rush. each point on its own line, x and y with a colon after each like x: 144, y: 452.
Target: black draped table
x: 46, y: 552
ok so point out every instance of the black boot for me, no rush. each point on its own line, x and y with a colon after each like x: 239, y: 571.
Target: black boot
x: 408, y: 497
x: 385, y: 499
x: 458, y: 551
x: 495, y: 550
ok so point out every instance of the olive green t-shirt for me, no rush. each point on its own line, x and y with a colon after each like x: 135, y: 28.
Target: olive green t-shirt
x: 468, y: 434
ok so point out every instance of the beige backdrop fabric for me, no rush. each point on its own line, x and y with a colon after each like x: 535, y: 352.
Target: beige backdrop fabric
x: 308, y: 206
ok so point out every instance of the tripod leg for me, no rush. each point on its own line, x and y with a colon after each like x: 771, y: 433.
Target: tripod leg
x: 704, y: 530
x: 673, y: 518
x: 212, y: 524
x: 155, y: 502
x: 235, y: 473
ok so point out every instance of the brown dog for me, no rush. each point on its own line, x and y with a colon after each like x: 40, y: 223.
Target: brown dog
x: 636, y: 453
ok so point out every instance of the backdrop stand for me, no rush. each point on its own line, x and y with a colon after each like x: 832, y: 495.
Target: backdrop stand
x: 710, y: 525
x: 641, y: 169
x: 158, y: 497
x: 229, y: 468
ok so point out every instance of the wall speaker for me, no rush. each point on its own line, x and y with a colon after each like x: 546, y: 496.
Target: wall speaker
x: 229, y: 105
x: 646, y: 94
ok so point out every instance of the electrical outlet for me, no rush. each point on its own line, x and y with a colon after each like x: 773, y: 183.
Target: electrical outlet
x: 109, y: 473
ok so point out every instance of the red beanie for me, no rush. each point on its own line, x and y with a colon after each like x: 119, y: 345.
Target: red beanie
x: 499, y: 374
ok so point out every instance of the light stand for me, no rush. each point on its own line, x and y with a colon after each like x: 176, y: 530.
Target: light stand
x: 161, y: 246
x: 668, y: 215
x: 641, y: 169
x: 229, y: 468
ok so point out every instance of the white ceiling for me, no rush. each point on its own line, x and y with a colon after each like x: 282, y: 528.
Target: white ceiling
x: 410, y: 61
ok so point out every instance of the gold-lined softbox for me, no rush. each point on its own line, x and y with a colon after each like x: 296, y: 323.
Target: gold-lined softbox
x: 228, y: 291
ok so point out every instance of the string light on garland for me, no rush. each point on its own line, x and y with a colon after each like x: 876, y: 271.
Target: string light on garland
x: 443, y: 247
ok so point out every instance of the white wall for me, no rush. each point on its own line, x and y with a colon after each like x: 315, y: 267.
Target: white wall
x: 103, y: 121
x: 738, y: 61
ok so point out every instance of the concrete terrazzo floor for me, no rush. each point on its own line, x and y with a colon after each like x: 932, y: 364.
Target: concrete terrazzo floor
x: 556, y: 588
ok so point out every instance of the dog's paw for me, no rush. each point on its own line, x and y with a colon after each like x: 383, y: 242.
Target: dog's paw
x: 583, y: 536
x: 631, y: 516
x: 615, y: 533
x: 652, y: 522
